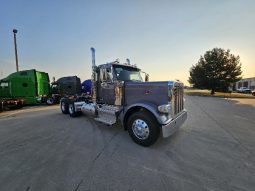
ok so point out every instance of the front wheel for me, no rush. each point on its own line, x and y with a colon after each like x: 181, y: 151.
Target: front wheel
x: 143, y: 128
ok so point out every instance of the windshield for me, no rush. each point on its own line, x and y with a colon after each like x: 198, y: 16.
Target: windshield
x: 125, y: 73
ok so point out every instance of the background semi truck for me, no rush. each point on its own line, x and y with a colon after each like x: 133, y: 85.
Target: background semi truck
x: 145, y: 109
x: 64, y: 87
x: 26, y: 87
x: 29, y: 87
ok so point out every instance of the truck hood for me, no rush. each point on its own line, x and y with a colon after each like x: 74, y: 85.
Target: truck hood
x: 156, y: 93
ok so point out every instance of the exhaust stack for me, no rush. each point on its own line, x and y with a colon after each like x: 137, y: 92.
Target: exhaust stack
x: 93, y: 57
x: 128, y: 61
x: 94, y: 76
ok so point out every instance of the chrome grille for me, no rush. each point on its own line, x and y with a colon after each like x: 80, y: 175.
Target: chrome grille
x: 177, y: 99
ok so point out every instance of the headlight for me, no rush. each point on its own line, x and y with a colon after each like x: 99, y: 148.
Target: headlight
x: 166, y: 108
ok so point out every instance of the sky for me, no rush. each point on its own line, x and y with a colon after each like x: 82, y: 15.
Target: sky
x: 162, y: 37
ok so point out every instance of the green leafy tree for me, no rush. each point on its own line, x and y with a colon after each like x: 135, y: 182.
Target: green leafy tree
x: 216, y: 70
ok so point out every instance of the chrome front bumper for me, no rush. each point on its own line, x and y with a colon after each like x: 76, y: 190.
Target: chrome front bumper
x: 174, y: 125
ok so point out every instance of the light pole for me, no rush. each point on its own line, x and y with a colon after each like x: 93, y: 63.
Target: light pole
x: 16, y: 52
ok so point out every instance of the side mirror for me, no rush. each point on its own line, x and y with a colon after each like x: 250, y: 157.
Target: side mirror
x: 146, y: 77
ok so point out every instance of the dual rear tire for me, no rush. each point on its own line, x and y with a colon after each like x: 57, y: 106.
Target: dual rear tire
x: 72, y: 111
x: 64, y: 107
x: 68, y: 108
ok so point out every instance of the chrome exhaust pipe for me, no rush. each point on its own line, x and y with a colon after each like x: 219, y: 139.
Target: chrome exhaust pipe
x: 93, y: 57
x: 128, y: 61
x: 93, y: 77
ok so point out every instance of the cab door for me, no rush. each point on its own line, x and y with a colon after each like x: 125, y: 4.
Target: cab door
x: 106, y: 86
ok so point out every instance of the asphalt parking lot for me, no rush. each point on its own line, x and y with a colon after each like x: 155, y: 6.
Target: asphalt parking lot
x: 42, y: 149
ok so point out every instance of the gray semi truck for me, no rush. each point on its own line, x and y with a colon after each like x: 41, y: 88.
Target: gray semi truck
x: 145, y: 109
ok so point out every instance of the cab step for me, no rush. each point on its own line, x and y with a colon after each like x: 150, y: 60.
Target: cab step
x: 107, y: 114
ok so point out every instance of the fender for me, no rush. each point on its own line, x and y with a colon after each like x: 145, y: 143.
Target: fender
x: 161, y: 118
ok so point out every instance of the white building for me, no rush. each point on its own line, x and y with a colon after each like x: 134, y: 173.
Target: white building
x: 246, y: 82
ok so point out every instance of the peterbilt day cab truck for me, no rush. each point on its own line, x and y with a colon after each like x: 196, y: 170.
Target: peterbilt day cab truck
x: 145, y: 109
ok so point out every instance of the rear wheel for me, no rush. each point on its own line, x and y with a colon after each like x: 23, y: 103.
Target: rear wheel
x: 64, y: 107
x: 50, y: 101
x: 72, y: 111
x: 143, y: 128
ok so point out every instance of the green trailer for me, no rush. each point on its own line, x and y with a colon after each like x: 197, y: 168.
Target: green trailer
x: 30, y: 85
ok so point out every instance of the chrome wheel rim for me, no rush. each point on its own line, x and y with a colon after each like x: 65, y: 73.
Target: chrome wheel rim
x: 140, y: 129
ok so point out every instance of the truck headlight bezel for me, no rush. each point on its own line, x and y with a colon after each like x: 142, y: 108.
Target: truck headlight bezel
x: 166, y: 108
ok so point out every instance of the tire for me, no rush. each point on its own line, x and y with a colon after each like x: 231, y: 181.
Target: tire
x: 50, y: 101
x: 64, y: 107
x: 72, y: 111
x: 143, y: 128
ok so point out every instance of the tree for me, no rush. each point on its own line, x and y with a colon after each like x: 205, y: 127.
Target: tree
x: 216, y: 70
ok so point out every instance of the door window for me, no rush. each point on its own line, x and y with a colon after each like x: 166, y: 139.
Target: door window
x: 106, y: 75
